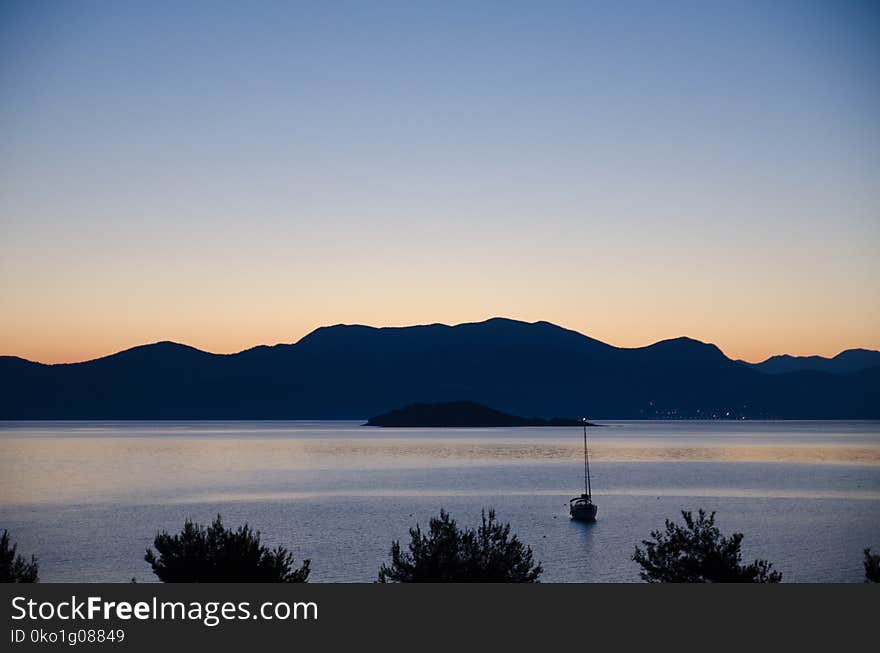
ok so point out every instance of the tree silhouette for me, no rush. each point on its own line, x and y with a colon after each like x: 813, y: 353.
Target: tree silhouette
x: 217, y: 555
x: 449, y: 554
x: 872, y: 566
x: 698, y: 553
x: 14, y: 568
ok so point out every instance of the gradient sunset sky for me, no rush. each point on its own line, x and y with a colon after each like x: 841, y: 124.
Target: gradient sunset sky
x: 231, y: 174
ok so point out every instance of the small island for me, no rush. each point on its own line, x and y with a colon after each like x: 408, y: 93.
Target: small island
x: 461, y: 414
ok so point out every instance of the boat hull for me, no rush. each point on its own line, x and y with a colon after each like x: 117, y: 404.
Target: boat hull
x: 583, y: 511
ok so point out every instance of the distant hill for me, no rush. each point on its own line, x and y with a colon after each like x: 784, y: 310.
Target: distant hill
x: 352, y: 372
x: 460, y: 414
x: 846, y: 362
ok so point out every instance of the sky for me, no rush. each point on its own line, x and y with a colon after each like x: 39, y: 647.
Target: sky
x: 234, y: 174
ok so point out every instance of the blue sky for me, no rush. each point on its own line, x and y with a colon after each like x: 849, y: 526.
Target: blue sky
x: 228, y: 174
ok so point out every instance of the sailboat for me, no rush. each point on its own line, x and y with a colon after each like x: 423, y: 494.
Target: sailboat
x: 582, y: 508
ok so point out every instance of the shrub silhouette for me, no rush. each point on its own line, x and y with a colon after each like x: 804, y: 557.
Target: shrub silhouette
x: 14, y: 568
x: 449, y: 554
x: 217, y: 555
x: 698, y: 553
x: 872, y: 567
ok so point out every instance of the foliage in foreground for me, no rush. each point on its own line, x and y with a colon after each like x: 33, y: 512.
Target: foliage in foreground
x: 14, y: 568
x: 872, y: 567
x: 449, y: 554
x: 219, y: 555
x: 698, y: 553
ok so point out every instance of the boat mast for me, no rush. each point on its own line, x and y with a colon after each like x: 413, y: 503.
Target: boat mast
x: 586, y: 462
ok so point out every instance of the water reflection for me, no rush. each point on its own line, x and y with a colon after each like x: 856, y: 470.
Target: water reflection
x: 78, y: 467
x: 807, y: 494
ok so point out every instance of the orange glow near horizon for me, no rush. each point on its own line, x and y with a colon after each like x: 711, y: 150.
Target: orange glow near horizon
x: 41, y: 345
x: 66, y: 304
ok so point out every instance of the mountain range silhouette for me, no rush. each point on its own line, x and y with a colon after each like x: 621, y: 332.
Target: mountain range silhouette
x: 353, y: 372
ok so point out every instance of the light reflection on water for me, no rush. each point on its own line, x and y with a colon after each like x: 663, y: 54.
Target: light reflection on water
x: 855, y: 495
x: 87, y: 497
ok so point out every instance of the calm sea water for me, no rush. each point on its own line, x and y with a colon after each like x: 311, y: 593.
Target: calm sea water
x: 88, y: 497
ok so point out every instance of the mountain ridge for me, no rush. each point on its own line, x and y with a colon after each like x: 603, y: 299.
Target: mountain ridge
x: 847, y: 361
x: 322, y: 329
x: 353, y: 371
